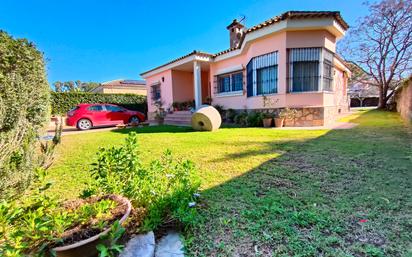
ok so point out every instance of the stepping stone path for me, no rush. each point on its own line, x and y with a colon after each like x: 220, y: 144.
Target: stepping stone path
x: 144, y: 246
x: 170, y: 246
x: 140, y: 246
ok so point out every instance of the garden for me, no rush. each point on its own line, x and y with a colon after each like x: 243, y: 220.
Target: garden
x: 270, y: 192
x: 238, y: 191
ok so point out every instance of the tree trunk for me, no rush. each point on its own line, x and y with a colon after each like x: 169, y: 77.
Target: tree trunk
x: 382, y: 98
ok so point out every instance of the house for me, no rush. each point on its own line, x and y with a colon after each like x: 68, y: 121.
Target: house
x: 122, y: 86
x: 361, y: 91
x: 287, y: 61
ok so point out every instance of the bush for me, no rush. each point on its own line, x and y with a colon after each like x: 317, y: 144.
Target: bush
x: 165, y: 188
x: 230, y: 115
x: 61, y: 103
x: 24, y: 107
x: 241, y: 118
x: 255, y: 119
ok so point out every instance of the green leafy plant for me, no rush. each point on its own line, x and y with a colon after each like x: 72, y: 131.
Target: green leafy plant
x: 255, y: 119
x: 241, y: 118
x: 113, y: 248
x: 165, y: 187
x: 230, y: 115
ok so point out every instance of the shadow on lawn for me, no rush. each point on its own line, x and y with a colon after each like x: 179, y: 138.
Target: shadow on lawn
x: 344, y: 193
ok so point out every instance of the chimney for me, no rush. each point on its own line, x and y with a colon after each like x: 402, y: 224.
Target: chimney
x: 236, y: 31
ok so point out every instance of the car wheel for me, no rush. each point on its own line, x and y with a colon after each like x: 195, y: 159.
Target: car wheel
x: 134, y: 120
x: 84, y: 124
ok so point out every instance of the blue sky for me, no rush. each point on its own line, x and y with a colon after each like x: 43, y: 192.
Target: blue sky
x: 107, y: 39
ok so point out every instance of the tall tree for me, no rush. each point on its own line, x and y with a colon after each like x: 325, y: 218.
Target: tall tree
x: 381, y: 44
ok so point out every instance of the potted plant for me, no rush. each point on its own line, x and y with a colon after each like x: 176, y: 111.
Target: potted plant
x: 82, y: 240
x: 160, y: 116
x: 267, y: 120
x: 72, y: 228
x: 286, y: 113
x: 159, y: 113
x: 176, y: 106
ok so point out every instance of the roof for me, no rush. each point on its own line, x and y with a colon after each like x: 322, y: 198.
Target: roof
x: 195, y: 52
x: 124, y: 82
x: 284, y: 16
x: 291, y: 15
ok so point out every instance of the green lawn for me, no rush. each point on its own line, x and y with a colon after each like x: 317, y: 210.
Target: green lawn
x: 281, y: 193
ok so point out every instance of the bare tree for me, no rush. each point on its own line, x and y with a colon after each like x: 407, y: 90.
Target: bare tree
x: 381, y: 44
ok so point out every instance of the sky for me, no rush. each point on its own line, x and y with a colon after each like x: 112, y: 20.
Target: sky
x: 103, y: 40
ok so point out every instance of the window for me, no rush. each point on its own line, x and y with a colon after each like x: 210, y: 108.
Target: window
x: 327, y: 75
x: 230, y: 82
x: 266, y: 80
x: 237, y: 81
x: 310, y: 69
x: 262, y: 75
x: 305, y: 76
x: 95, y: 108
x: 155, y: 92
x: 113, y: 108
x: 224, y: 84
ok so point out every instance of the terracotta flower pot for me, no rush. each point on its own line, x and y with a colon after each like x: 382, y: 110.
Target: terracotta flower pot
x: 267, y: 122
x: 279, y: 122
x: 87, y: 247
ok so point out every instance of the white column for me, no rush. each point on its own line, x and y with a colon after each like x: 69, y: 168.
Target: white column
x: 197, y: 83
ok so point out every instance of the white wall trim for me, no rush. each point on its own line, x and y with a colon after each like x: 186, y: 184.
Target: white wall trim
x: 228, y: 94
x: 229, y: 69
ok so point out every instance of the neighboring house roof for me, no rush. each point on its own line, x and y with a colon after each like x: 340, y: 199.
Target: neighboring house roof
x: 121, y: 83
x: 125, y: 82
x: 287, y: 15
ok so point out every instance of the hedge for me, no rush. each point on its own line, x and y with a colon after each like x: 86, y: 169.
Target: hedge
x: 61, y: 103
x: 24, y: 108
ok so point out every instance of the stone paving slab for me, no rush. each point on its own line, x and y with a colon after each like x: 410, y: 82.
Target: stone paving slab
x: 170, y: 246
x: 142, y: 245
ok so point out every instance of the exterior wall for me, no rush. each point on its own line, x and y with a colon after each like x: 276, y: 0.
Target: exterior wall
x: 166, y: 90
x: 124, y: 90
x: 182, y: 86
x: 278, y: 42
x: 206, y: 92
x: 404, y: 101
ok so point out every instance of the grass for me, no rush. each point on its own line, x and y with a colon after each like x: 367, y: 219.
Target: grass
x: 281, y: 193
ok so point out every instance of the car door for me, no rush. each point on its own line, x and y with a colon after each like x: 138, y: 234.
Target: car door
x: 97, y: 114
x: 115, y: 114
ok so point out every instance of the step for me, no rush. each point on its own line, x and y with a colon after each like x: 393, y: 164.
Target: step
x: 177, y: 122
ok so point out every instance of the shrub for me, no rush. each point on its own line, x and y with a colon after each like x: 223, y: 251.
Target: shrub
x: 241, y: 118
x: 220, y: 109
x: 164, y: 188
x: 230, y: 115
x: 61, y: 103
x: 255, y: 119
x: 24, y: 107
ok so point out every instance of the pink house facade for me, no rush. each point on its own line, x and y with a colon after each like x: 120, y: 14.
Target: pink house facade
x: 287, y: 61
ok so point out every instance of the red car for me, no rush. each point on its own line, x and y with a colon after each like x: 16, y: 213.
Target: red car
x: 86, y: 116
